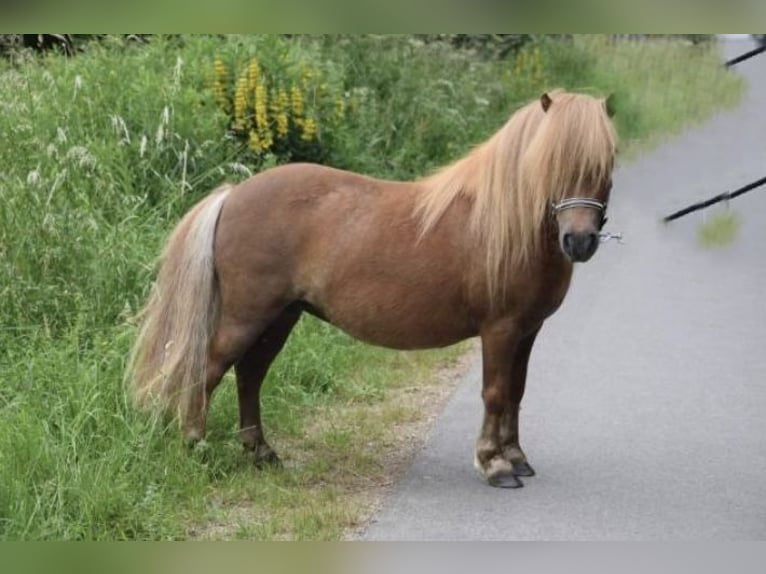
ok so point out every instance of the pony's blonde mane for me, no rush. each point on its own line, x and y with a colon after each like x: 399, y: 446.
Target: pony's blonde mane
x: 538, y: 157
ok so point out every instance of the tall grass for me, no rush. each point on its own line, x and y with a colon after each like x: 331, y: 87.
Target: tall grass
x: 100, y: 156
x: 661, y: 86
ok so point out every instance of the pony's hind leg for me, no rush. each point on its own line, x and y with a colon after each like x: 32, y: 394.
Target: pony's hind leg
x: 251, y: 370
x: 228, y: 343
x: 232, y: 338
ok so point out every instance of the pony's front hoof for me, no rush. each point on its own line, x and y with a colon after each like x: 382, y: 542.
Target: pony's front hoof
x: 523, y: 469
x: 504, y: 480
x: 498, y: 472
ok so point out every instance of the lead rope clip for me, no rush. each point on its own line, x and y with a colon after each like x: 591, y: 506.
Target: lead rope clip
x: 605, y: 236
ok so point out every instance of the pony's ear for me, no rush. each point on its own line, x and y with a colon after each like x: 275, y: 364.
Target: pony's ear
x: 609, y: 105
x: 545, y: 101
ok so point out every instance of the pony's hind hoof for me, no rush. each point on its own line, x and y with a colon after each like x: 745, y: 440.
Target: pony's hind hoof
x: 196, y: 444
x: 265, y: 457
x: 199, y: 449
x: 523, y: 469
x: 505, y: 480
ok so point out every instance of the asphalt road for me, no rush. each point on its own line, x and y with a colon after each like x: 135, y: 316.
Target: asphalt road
x: 645, y: 411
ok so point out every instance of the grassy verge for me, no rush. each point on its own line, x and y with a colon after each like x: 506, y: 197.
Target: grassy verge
x: 660, y: 86
x: 105, y: 151
x: 719, y: 229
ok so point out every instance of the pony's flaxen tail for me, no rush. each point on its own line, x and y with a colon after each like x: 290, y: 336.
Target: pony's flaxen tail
x: 168, y: 363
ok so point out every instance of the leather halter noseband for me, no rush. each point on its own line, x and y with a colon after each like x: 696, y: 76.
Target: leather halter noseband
x: 582, y: 202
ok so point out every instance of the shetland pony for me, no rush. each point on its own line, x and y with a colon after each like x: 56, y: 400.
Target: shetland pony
x: 484, y: 246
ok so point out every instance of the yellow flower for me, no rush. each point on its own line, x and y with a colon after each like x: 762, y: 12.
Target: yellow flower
x: 309, y: 129
x: 261, y: 105
x: 296, y: 101
x: 240, y: 104
x: 262, y: 116
x: 221, y: 71
x: 220, y: 83
x: 306, y: 77
x: 254, y: 142
x: 253, y: 74
x: 267, y: 140
x: 279, y: 106
x: 283, y: 99
x: 282, y: 125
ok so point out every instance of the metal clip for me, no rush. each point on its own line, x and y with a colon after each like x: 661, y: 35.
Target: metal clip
x: 605, y: 236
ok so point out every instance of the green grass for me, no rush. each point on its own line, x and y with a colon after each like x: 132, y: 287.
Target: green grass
x: 719, y: 229
x: 660, y: 87
x: 101, y: 155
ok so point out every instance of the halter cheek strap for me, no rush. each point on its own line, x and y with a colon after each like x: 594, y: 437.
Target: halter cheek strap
x: 582, y: 202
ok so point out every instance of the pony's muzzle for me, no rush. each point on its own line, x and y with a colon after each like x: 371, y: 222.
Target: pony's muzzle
x: 580, y: 246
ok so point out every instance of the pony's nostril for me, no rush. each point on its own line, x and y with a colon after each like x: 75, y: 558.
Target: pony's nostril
x: 592, y: 241
x: 568, y: 241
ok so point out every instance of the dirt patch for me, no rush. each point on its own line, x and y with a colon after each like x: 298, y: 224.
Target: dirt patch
x: 428, y: 399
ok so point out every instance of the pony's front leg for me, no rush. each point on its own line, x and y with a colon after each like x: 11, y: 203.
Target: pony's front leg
x: 505, y: 353
x: 509, y: 424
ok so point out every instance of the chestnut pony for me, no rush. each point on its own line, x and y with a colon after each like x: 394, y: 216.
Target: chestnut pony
x: 484, y: 246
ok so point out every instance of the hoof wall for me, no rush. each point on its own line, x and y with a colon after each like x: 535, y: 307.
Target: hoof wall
x: 523, y: 469
x: 505, y: 481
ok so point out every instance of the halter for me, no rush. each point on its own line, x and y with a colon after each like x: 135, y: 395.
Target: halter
x: 582, y: 202
x: 579, y: 202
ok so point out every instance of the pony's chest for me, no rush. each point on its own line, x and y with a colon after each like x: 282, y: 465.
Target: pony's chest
x: 538, y: 295
x: 551, y: 290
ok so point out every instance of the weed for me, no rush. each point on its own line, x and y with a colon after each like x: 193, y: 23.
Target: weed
x: 719, y: 229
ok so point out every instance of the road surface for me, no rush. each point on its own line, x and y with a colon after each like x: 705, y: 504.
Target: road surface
x: 645, y: 411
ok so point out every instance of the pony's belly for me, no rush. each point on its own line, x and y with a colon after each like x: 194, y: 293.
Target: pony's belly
x: 409, y: 340
x: 421, y: 329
